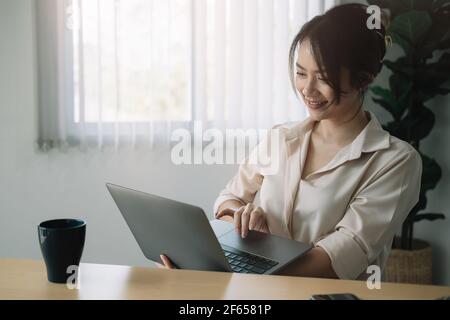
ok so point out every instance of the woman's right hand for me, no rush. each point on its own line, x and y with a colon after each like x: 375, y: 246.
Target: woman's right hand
x: 248, y: 217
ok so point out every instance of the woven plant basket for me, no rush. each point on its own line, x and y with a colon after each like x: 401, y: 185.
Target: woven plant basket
x: 410, y: 266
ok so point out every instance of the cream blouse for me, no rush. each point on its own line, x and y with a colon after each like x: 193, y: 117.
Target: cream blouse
x: 351, y: 207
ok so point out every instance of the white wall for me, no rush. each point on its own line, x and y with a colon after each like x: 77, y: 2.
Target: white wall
x: 36, y: 186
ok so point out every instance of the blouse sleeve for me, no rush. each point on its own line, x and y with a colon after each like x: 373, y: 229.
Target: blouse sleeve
x: 248, y: 180
x: 374, y: 216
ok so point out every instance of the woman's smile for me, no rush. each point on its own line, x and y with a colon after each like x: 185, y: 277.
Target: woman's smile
x: 315, y: 103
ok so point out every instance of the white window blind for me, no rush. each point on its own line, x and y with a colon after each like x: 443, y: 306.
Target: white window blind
x: 128, y: 72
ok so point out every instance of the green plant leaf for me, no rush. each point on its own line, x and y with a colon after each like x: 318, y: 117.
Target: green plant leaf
x: 387, y: 100
x: 393, y: 128
x: 429, y: 93
x: 408, y: 5
x: 420, y: 123
x: 411, y: 25
x: 414, y: 126
x: 395, y: 7
x: 439, y: 4
x: 438, y: 37
x: 402, y: 66
x: 403, y: 43
x: 442, y: 67
x: 401, y: 87
x: 384, y: 104
x: 420, y: 205
x: 428, y: 216
x: 380, y: 3
x: 380, y: 91
x: 441, y: 27
x: 432, y: 76
x: 442, y: 91
x: 395, y: 100
x: 431, y: 173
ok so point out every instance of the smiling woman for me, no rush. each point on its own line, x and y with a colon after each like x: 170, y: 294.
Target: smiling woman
x: 344, y: 184
x: 343, y: 46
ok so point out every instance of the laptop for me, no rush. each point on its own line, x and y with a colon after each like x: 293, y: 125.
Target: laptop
x: 183, y: 233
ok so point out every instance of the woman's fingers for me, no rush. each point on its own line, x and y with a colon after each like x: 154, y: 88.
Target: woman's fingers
x: 225, y: 212
x: 237, y: 219
x: 262, y: 227
x: 166, y: 261
x: 245, y: 219
x: 258, y: 221
x: 249, y: 217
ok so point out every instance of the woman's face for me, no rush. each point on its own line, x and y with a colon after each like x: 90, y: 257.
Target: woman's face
x: 317, y: 94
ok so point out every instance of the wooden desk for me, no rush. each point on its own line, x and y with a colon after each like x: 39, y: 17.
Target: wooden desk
x: 27, y: 279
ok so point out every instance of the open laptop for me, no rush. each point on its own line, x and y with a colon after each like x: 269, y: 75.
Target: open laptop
x: 183, y: 233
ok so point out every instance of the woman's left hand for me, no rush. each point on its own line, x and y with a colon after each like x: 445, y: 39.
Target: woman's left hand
x: 167, y: 264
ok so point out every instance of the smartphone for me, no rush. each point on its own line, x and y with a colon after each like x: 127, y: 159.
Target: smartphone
x: 334, y: 296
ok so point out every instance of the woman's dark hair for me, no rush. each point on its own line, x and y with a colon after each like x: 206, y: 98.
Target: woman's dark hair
x: 340, y: 38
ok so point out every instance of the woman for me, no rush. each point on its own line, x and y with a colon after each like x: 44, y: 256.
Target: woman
x: 344, y: 184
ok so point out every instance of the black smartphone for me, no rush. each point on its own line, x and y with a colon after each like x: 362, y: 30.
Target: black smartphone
x: 334, y: 296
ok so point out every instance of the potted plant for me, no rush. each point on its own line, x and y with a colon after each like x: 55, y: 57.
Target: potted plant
x: 422, y: 29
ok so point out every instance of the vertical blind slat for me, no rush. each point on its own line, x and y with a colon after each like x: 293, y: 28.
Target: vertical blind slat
x: 117, y: 72
x: 265, y: 62
x: 281, y: 85
x: 81, y: 89
x: 219, y: 61
x: 61, y: 69
x: 151, y: 54
x: 299, y: 17
x: 99, y: 78
x: 250, y: 69
x: 199, y: 52
x: 234, y: 64
x: 168, y: 123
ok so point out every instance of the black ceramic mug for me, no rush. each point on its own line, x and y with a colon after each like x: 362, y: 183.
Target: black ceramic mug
x: 62, y: 243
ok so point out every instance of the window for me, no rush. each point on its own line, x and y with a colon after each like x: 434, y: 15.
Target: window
x: 125, y: 71
x: 131, y: 61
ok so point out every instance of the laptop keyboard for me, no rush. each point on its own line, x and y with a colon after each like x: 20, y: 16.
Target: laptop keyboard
x: 243, y: 262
